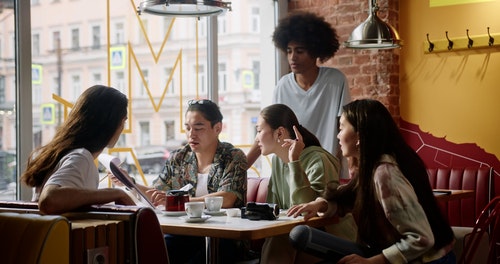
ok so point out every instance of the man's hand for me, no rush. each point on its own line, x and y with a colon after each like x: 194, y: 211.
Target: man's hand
x: 157, y: 197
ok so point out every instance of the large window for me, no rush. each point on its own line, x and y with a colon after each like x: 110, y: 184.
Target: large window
x: 96, y: 37
x: 35, y: 48
x: 145, y: 135
x: 72, y: 50
x: 56, y: 39
x: 2, y: 89
x: 119, y: 33
x: 222, y: 77
x: 75, y: 38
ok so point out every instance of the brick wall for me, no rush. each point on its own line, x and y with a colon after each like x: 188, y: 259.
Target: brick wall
x: 371, y: 73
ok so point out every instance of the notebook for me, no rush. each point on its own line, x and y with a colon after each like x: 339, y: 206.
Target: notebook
x: 111, y: 163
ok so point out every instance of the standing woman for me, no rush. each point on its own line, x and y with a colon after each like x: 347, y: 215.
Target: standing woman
x: 390, y: 196
x: 301, y: 170
x: 63, y: 172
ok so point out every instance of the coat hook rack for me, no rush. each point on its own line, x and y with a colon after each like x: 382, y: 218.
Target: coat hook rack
x: 467, y: 42
x: 470, y: 42
x: 491, y: 39
x: 450, y: 43
x: 431, y: 45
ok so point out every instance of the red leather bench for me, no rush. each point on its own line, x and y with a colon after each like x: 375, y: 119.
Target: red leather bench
x: 257, y: 192
x: 463, y: 212
x: 257, y: 189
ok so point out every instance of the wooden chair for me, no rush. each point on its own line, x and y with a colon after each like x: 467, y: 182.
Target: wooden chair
x: 488, y: 223
x: 150, y: 243
x: 34, y: 239
x: 140, y: 233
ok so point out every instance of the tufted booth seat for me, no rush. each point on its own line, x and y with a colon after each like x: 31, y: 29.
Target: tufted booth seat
x: 463, y: 212
x: 257, y: 192
x: 32, y: 238
x: 257, y: 189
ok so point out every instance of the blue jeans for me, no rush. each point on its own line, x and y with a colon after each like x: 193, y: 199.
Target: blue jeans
x: 449, y: 258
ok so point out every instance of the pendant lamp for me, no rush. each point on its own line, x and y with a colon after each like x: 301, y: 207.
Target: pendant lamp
x: 194, y: 8
x: 373, y: 33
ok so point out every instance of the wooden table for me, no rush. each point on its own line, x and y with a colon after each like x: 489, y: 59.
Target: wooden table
x: 445, y: 195
x: 234, y: 228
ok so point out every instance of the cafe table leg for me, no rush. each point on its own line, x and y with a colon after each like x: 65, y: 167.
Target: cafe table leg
x: 211, y: 249
x: 207, y: 250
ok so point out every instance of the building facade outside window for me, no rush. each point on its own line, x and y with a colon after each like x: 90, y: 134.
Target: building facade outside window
x: 161, y: 49
x: 145, y: 137
x: 35, y: 46
x: 96, y: 37
x: 75, y: 38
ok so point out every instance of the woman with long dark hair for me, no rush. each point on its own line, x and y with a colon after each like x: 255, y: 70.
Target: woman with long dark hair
x: 63, y: 172
x: 390, y: 195
x: 301, y: 170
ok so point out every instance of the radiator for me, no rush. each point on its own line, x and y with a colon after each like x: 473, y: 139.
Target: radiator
x: 101, y: 241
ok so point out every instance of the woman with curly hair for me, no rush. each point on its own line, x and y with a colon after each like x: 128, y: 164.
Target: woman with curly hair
x: 307, y: 39
x: 63, y: 172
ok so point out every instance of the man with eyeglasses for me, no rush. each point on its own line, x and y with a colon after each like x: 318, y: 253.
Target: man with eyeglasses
x: 212, y: 167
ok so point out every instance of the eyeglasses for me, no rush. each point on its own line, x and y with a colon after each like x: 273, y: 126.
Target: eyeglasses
x: 202, y: 101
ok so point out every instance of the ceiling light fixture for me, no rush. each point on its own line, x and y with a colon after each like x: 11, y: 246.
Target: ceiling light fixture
x: 373, y: 33
x: 194, y: 8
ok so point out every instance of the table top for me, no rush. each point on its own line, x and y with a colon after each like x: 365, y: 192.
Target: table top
x: 448, y: 195
x: 236, y: 227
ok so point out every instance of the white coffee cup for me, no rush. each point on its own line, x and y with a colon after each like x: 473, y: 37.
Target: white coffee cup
x: 233, y: 212
x: 213, y: 203
x: 194, y: 209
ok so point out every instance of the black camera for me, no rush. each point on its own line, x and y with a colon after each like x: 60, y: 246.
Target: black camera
x: 260, y: 211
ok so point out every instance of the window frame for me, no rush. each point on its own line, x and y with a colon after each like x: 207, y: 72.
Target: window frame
x: 24, y: 116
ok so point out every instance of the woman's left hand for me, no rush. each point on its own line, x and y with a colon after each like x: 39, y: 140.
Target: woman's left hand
x: 295, y: 146
x: 309, y: 210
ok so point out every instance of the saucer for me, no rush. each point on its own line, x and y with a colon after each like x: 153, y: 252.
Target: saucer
x: 215, y: 213
x: 201, y: 219
x: 174, y: 213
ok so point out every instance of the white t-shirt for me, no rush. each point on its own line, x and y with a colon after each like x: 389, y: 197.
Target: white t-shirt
x: 75, y: 169
x: 201, y: 185
x: 319, y: 107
